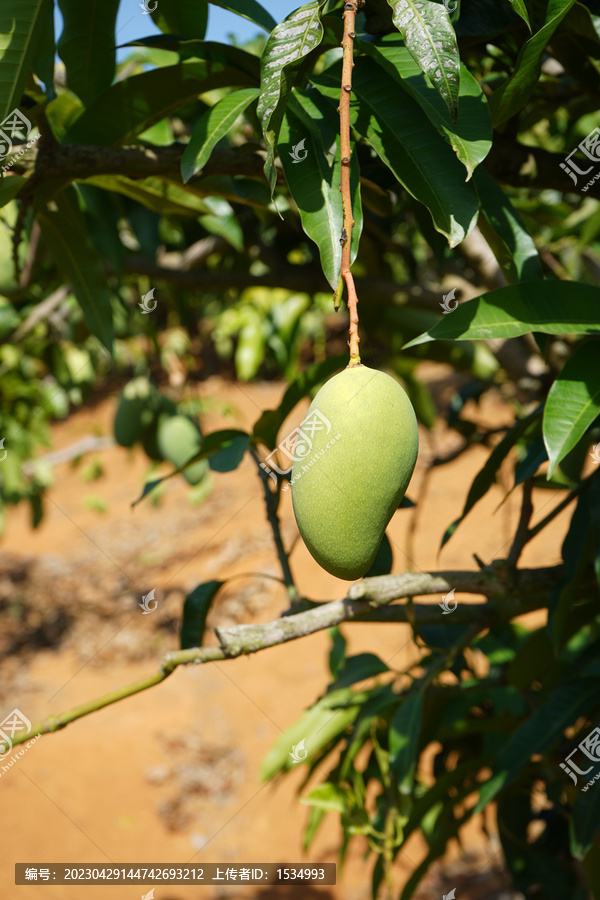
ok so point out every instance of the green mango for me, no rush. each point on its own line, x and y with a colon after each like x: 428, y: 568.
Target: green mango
x: 179, y: 439
x: 353, y: 461
x: 134, y: 412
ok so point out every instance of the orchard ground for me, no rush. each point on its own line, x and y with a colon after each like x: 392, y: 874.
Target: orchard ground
x: 171, y: 775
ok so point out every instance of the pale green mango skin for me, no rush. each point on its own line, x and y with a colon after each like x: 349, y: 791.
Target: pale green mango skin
x: 345, y: 499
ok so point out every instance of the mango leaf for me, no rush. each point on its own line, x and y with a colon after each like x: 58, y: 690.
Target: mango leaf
x: 384, y: 560
x: 417, y: 154
x: 133, y: 105
x: 510, y: 97
x: 44, y: 55
x: 229, y: 455
x: 183, y: 17
x: 471, y: 135
x: 585, y: 820
x: 326, y: 720
x: 267, y: 427
x: 10, y: 186
x: 361, y: 667
x: 158, y: 194
x: 429, y: 36
x: 249, y: 9
x: 503, y: 228
x: 573, y: 402
x: 551, y: 307
x: 329, y: 797
x: 404, y: 739
x: 575, y: 551
x: 65, y: 234
x: 540, y: 731
x: 211, y: 127
x: 195, y: 611
x: 87, y: 45
x: 595, y: 518
x: 19, y: 27
x: 288, y: 44
x: 312, y: 166
x: 520, y: 8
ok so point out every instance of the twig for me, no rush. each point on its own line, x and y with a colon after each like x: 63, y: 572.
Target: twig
x: 40, y: 312
x: 522, y: 534
x: 363, y: 599
x: 271, y: 503
x: 350, y: 8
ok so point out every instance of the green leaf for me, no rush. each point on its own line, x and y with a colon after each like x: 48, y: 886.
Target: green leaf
x: 420, y: 158
x: 337, y: 654
x: 384, y: 560
x: 573, y: 402
x: 551, y: 307
x: 585, y: 821
x: 158, y: 194
x: 429, y: 36
x: 65, y: 233
x: 501, y: 224
x: 195, y: 611
x: 19, y: 28
x: 10, y: 185
x: 43, y: 58
x: 249, y: 9
x: 87, y: 45
x: 595, y: 519
x: 322, y: 723
x: 267, y: 427
x: 361, y: 667
x: 211, y: 127
x: 182, y: 17
x: 230, y: 453
x: 288, y: 44
x: 510, y: 97
x: 404, y: 739
x: 131, y: 106
x: 471, y: 135
x: 540, y: 731
x: 329, y: 797
x: 313, y: 176
x: 575, y: 551
x: 521, y: 10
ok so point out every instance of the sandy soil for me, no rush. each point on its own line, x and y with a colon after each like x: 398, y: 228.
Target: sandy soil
x: 171, y: 775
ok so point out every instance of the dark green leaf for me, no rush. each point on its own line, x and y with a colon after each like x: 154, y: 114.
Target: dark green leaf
x: 359, y: 668
x: 65, y: 234
x: 429, y: 36
x: 520, y: 8
x: 576, y: 551
x: 383, y: 562
x: 131, y: 106
x: 87, y: 45
x: 586, y: 820
x: 230, y: 454
x: 211, y: 127
x: 45, y: 50
x: 595, y: 518
x: 195, y: 611
x: 183, y: 17
x: 337, y: 654
x: 551, y: 307
x: 471, y: 136
x: 512, y: 96
x: 404, y: 738
x: 10, y: 186
x: 501, y: 224
x: 288, y: 44
x: 249, y: 9
x: 158, y: 194
x: 19, y: 27
x: 573, y: 402
x: 313, y: 176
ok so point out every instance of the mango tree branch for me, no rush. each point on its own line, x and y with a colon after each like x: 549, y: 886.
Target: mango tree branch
x: 364, y: 599
x: 350, y: 8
